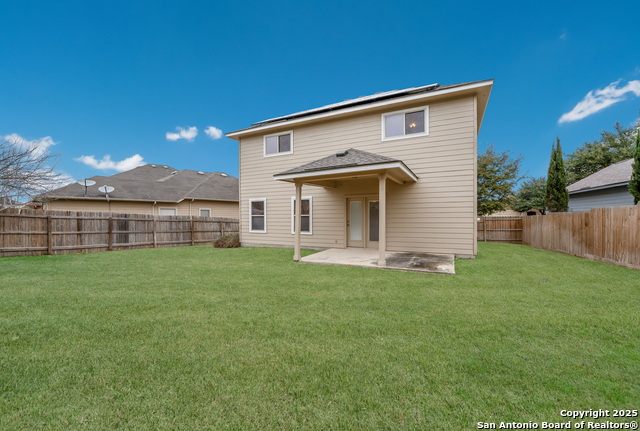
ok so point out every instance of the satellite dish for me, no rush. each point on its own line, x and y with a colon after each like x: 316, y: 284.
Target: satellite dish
x: 86, y: 183
x: 106, y: 190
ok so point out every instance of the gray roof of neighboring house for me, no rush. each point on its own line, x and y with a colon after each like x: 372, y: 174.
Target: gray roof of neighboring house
x: 614, y: 175
x: 352, y: 158
x: 160, y: 183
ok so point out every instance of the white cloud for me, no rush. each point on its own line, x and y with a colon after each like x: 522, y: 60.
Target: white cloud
x: 40, y: 146
x: 213, y: 132
x: 189, y: 134
x: 106, y: 163
x: 597, y: 100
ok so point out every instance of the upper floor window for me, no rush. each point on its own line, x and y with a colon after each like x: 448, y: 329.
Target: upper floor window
x: 405, y: 124
x: 278, y: 144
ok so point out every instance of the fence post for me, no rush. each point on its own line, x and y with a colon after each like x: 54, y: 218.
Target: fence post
x: 155, y: 243
x: 192, y: 233
x: 110, y: 233
x: 484, y: 229
x: 49, y: 234
x: 221, y: 228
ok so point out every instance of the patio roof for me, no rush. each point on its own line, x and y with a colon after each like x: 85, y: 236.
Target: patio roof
x: 349, y: 164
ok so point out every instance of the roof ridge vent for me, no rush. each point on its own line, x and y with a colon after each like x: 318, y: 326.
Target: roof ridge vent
x: 342, y: 153
x: 200, y: 173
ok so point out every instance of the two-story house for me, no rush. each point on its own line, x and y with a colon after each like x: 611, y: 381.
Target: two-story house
x: 395, y: 171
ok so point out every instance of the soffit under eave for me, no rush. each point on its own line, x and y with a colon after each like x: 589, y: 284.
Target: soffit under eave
x: 400, y: 175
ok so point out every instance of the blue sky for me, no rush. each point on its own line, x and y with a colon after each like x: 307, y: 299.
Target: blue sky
x: 111, y: 84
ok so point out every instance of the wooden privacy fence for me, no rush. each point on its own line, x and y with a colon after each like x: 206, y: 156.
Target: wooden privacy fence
x: 500, y: 229
x: 609, y: 235
x: 34, y: 232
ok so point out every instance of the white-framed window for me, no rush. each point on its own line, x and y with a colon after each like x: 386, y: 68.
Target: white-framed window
x: 205, y: 212
x: 405, y: 124
x: 167, y: 211
x: 306, y: 215
x: 278, y: 144
x: 258, y: 215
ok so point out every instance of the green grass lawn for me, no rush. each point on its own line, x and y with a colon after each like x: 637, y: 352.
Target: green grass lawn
x: 202, y: 338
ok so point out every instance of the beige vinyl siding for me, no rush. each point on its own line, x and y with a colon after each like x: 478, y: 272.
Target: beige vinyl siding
x: 435, y: 214
x: 218, y: 208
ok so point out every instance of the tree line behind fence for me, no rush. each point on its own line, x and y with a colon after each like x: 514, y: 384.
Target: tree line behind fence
x: 33, y: 232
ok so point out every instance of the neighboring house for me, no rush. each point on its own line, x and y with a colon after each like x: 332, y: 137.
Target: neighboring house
x: 606, y: 188
x: 152, y: 189
x: 6, y: 202
x: 507, y: 213
x: 514, y: 213
x: 395, y: 171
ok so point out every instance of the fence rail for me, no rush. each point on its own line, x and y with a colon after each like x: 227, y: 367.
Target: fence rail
x: 609, y: 235
x: 34, y: 232
x: 500, y: 229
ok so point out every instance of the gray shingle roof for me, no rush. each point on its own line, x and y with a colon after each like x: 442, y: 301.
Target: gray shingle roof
x: 617, y: 174
x: 158, y: 183
x: 352, y: 158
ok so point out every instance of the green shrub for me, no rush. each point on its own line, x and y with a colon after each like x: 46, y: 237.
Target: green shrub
x: 227, y: 241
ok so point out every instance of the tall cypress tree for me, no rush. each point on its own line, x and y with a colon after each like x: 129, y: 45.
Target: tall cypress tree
x: 557, y: 194
x: 634, y: 184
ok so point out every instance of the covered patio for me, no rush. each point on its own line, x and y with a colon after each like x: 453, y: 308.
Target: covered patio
x: 350, y: 164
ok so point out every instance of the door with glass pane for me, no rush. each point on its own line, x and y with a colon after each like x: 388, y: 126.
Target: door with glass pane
x: 362, y: 222
x: 355, y: 222
x: 373, y: 225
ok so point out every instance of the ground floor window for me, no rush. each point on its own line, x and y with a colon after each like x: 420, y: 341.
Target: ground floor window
x: 205, y: 212
x: 305, y: 215
x: 167, y: 211
x: 258, y: 215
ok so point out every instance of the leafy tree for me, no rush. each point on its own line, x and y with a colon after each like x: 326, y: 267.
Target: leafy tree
x: 557, y: 196
x: 612, y: 147
x: 532, y: 195
x: 25, y: 170
x: 634, y: 184
x: 498, y: 173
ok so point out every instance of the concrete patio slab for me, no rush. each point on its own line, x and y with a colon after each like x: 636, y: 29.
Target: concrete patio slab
x: 365, y: 257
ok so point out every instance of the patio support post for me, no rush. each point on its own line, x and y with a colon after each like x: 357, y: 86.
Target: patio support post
x: 297, y: 222
x: 382, y: 216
